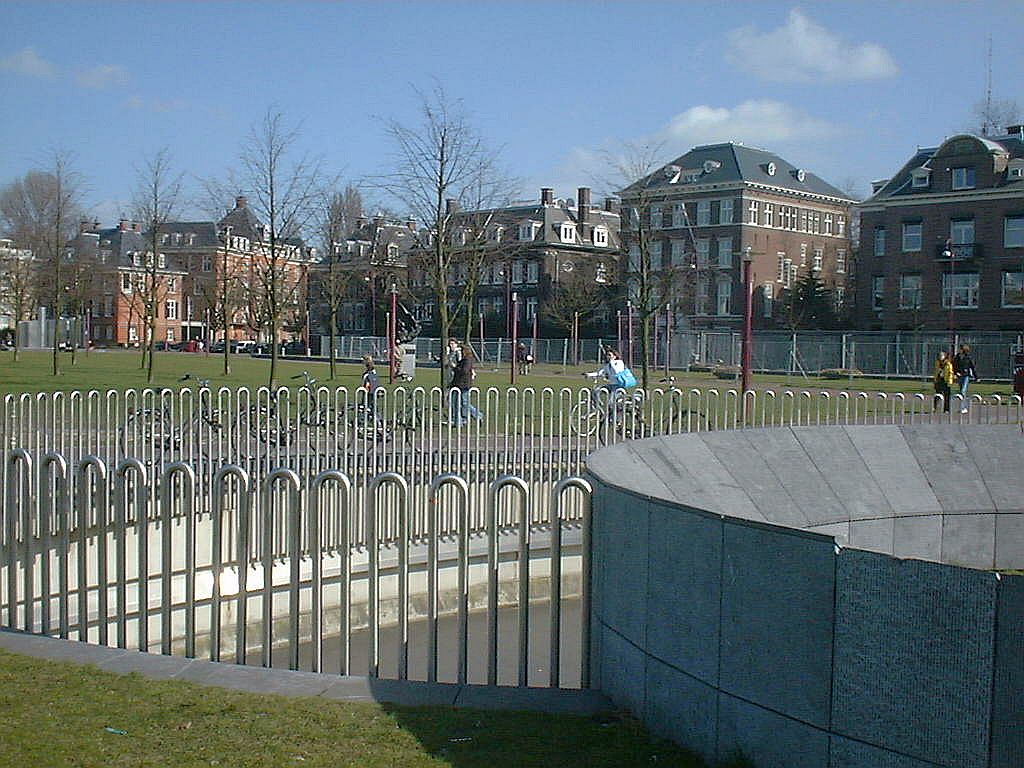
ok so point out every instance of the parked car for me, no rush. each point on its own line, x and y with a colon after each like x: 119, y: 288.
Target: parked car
x: 295, y: 348
x: 217, y: 347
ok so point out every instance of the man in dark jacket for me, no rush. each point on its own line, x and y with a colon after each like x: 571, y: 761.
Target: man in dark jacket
x: 963, y: 367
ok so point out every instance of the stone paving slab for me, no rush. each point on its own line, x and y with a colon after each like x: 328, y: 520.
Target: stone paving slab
x: 292, y: 683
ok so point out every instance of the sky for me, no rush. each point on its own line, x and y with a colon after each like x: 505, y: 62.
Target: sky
x: 847, y: 90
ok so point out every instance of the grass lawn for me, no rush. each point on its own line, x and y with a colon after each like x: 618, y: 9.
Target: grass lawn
x: 58, y: 714
x: 112, y: 369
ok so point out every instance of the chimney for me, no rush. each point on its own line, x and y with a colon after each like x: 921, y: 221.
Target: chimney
x: 361, y: 222
x: 136, y: 226
x: 83, y: 226
x: 96, y: 224
x: 451, y: 206
x: 124, y: 225
x: 411, y: 224
x: 611, y: 205
x: 240, y: 201
x: 1015, y: 130
x: 547, y: 196
x: 583, y: 203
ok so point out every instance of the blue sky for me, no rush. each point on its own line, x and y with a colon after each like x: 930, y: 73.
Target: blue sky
x: 847, y: 90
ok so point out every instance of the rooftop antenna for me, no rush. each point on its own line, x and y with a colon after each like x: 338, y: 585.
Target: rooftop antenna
x: 987, y: 121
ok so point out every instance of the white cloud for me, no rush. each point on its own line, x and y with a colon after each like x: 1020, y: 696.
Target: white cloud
x: 802, y: 51
x: 29, y: 63
x: 760, y: 122
x: 102, y: 76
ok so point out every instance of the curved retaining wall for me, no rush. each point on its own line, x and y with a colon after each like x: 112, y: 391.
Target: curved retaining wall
x: 802, y: 594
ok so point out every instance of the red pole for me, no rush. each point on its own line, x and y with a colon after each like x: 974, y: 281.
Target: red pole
x: 668, y: 338
x: 392, y: 335
x: 629, y: 326
x: 515, y: 330
x: 748, y: 314
x: 618, y: 318
x: 481, y: 316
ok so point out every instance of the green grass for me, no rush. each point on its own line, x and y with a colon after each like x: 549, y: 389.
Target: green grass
x: 121, y: 370
x: 57, y: 714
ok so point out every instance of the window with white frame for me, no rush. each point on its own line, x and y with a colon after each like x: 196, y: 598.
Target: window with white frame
x: 189, y: 307
x: 675, y: 251
x: 197, y: 287
x: 601, y: 273
x: 788, y: 271
x: 133, y: 333
x: 702, y: 296
x: 679, y: 215
x: 600, y: 236
x: 838, y: 297
x: 878, y: 293
x: 768, y: 214
x: 393, y: 251
x: 780, y: 276
x: 961, y: 231
x: 841, y: 261
x: 703, y: 252
x: 703, y: 213
x: 817, y: 222
x: 655, y: 254
x: 841, y: 225
x: 723, y: 299
x: 1013, y: 232
x: 963, y: 178
x: 161, y: 261
x: 922, y: 178
x: 911, y: 236
x: 879, y: 241
x: 171, y: 310
x: 170, y: 335
x: 960, y: 291
x: 725, y: 253
x: 532, y: 272
x: 803, y: 254
x: 910, y: 291
x: 1013, y: 290
x: 207, y: 264
x: 752, y: 212
x: 634, y: 258
x: 819, y: 260
x: 725, y: 211
x: 126, y: 282
x: 767, y: 299
x: 527, y: 231
x: 567, y: 231
x: 656, y: 217
x: 172, y: 285
x: 828, y: 223
x: 803, y: 221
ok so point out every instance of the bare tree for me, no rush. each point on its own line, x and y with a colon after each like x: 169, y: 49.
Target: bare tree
x: 285, y: 192
x: 574, y: 295
x: 336, y: 219
x: 41, y: 210
x: 991, y: 117
x: 157, y: 193
x: 438, y: 165
x: 648, y: 286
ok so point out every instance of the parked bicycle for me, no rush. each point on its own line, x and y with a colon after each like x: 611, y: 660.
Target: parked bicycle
x: 152, y: 434
x: 681, y: 417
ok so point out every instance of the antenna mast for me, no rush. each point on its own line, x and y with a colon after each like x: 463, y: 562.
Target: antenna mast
x: 987, y: 122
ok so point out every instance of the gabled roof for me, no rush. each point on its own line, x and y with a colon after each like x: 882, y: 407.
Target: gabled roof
x: 733, y: 163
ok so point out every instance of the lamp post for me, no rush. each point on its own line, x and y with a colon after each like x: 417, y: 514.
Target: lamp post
x: 629, y: 331
x: 949, y: 253
x: 748, y: 313
x: 668, y: 337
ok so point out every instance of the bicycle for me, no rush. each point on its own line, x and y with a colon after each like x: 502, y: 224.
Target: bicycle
x: 681, y: 418
x: 151, y: 434
x: 609, y: 413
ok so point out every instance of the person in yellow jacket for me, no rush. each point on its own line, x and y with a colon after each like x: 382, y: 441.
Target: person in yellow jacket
x: 943, y: 380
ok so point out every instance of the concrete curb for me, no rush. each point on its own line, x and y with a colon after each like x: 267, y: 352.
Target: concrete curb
x: 285, y: 682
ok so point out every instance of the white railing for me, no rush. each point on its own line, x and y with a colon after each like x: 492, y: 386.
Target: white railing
x: 288, y: 564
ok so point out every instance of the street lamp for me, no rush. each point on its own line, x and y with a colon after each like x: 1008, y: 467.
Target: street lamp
x: 950, y: 253
x: 748, y: 314
x: 392, y: 334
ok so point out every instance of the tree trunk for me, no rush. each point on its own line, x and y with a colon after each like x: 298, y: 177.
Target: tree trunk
x: 645, y: 341
x: 333, y: 332
x: 75, y: 330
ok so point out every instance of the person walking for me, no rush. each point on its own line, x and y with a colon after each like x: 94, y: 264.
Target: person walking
x: 462, y: 382
x: 524, y: 359
x: 943, y: 380
x: 963, y: 368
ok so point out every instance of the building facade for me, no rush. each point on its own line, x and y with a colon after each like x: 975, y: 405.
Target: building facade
x: 943, y: 240
x: 702, y: 213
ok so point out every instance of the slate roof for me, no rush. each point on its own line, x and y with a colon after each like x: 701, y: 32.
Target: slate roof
x: 205, y: 233
x: 733, y: 163
x: 902, y: 182
x: 122, y: 244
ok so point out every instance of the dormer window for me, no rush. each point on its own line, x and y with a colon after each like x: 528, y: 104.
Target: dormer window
x: 392, y: 252
x: 567, y: 233
x: 963, y: 178
x: 600, y: 236
x: 1016, y: 169
x: 922, y: 178
x: 527, y: 231
x: 136, y: 261
x: 769, y: 168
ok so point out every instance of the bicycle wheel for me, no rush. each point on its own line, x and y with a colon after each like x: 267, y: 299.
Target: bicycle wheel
x: 365, y: 425
x: 584, y: 419
x: 148, y: 435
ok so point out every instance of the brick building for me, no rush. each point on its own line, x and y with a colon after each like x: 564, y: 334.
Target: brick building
x: 943, y: 239
x: 112, y: 268
x: 700, y: 213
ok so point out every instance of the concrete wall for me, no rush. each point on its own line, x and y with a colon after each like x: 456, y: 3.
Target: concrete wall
x: 730, y: 633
